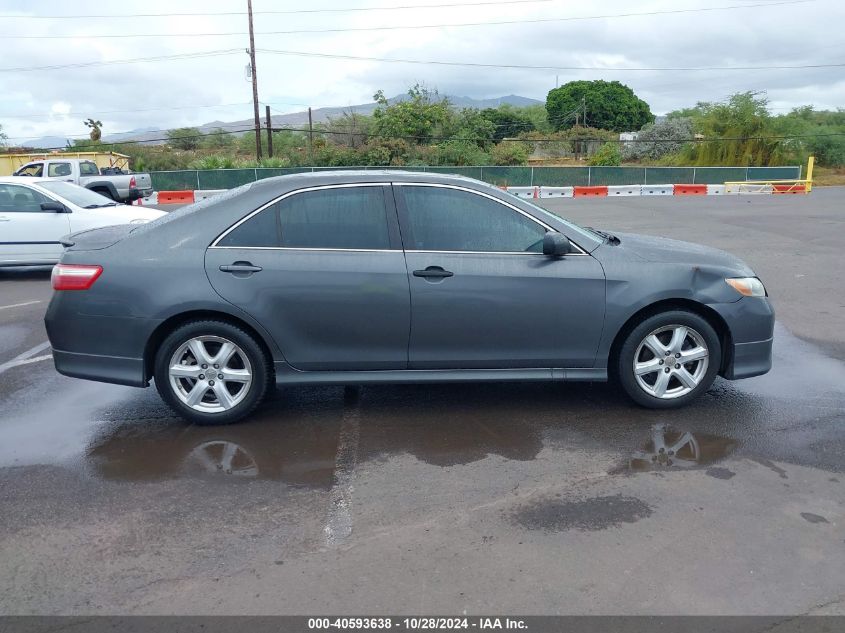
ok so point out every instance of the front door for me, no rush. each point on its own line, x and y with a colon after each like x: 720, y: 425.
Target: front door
x: 323, y: 271
x: 28, y: 234
x: 482, y: 293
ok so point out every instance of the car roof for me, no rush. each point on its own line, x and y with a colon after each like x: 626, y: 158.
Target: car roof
x: 22, y: 180
x: 341, y: 176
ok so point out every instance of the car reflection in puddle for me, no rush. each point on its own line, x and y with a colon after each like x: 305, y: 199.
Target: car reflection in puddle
x: 295, y: 440
x: 670, y: 448
x: 299, y: 455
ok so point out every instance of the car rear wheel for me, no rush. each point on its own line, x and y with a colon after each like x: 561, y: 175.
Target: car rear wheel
x: 669, y: 359
x: 211, y: 372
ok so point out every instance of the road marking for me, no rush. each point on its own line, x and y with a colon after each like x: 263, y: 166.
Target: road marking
x: 339, y: 521
x: 20, y: 305
x: 25, y: 357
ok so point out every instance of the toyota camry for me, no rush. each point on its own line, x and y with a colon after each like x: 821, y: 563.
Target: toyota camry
x: 395, y: 277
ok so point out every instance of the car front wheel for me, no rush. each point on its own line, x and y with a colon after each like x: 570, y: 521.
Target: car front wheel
x: 669, y: 359
x: 211, y: 372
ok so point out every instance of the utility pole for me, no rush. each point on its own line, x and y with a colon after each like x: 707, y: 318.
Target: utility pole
x: 584, y: 107
x: 269, y: 133
x: 310, y: 138
x: 254, y: 83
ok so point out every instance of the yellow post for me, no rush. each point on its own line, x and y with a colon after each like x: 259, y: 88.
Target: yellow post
x: 810, y: 161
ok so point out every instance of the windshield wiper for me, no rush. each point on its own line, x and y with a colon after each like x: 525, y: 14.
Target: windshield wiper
x: 100, y: 206
x: 610, y: 237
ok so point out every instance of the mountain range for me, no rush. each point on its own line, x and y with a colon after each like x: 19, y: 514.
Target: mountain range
x: 292, y: 119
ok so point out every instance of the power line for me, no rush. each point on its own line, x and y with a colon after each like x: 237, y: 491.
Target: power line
x: 166, y: 108
x: 217, y: 53
x: 532, y: 67
x: 291, y: 12
x: 418, y: 26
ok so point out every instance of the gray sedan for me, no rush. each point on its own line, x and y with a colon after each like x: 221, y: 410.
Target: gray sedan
x: 389, y: 277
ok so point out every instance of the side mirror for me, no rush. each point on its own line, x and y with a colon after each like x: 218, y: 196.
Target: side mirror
x: 556, y: 244
x: 56, y: 207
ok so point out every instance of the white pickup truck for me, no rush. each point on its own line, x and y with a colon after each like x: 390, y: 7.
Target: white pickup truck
x: 121, y: 187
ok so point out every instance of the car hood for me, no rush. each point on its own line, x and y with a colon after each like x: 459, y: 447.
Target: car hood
x: 665, y: 250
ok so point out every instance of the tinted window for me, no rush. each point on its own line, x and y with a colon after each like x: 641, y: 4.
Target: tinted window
x: 452, y: 220
x: 56, y: 170
x: 345, y: 217
x: 14, y: 198
x: 260, y: 230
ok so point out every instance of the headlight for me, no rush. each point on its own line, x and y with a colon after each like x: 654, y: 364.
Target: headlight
x: 138, y: 221
x: 747, y: 286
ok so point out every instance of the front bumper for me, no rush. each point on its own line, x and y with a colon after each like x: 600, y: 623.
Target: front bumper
x: 749, y: 359
x: 751, y: 322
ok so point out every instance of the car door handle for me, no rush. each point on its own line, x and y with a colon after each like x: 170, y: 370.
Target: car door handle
x: 241, y: 267
x: 435, y: 272
x: 4, y: 219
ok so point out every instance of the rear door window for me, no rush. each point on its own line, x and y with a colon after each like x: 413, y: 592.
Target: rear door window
x: 57, y: 170
x: 334, y: 218
x: 88, y: 169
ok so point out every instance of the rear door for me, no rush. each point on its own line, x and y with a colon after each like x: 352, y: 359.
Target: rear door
x: 483, y: 296
x: 323, y: 270
x: 28, y: 234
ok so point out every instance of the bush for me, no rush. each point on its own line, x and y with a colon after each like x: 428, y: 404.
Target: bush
x: 460, y: 153
x: 608, y: 155
x: 651, y: 142
x: 509, y: 153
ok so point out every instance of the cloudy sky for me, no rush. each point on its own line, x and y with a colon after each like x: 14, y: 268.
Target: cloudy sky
x: 208, y: 81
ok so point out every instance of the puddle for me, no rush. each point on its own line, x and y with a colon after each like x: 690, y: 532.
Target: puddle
x: 670, y: 448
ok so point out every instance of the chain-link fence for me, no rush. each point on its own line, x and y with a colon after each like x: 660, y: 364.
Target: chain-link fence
x: 503, y: 176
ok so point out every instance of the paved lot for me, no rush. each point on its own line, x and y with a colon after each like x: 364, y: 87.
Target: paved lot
x: 444, y: 499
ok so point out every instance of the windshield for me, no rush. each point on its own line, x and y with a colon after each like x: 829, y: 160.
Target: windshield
x: 80, y: 196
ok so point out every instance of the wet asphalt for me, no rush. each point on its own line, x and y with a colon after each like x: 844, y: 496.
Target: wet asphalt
x: 516, y: 498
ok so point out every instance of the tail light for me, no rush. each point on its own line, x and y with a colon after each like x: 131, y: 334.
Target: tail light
x: 74, y: 276
x: 132, y: 183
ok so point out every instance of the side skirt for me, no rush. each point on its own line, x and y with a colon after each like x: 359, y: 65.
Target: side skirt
x: 287, y: 375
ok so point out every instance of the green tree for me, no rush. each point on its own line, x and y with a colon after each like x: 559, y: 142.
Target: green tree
x: 184, y: 138
x: 508, y: 121
x: 217, y: 139
x: 470, y: 123
x: 419, y: 118
x: 609, y: 105
x: 733, y: 132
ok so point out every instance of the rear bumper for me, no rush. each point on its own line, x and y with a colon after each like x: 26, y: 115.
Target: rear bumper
x: 113, y: 369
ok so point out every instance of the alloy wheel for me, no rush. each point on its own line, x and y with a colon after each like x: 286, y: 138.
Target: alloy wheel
x: 210, y: 374
x: 671, y: 361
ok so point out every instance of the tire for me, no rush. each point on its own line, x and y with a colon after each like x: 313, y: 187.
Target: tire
x: 676, y: 332
x: 105, y: 193
x: 202, y: 397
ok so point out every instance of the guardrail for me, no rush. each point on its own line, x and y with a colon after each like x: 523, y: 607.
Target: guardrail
x: 190, y: 180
